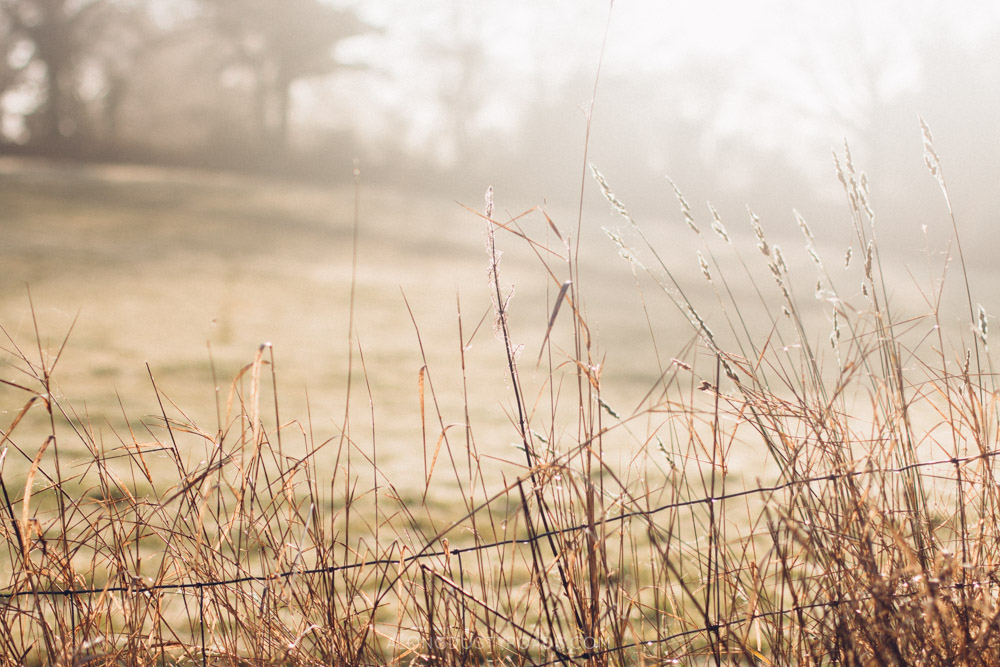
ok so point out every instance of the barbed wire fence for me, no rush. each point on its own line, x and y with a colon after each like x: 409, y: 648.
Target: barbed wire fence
x: 428, y: 552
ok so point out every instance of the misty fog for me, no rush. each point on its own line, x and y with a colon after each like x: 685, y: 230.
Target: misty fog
x: 739, y: 106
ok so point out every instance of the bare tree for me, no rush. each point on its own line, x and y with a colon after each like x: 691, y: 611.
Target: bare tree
x: 278, y: 44
x: 58, y: 32
x: 129, y: 39
x: 10, y: 67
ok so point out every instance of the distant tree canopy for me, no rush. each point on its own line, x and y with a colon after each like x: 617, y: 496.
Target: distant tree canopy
x: 100, y: 75
x: 489, y: 92
x: 278, y: 46
x: 57, y: 32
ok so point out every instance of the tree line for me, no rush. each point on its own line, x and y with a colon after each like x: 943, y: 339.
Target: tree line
x: 217, y: 83
x: 206, y: 79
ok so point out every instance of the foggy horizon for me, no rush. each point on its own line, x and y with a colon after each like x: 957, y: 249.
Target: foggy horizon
x: 739, y: 107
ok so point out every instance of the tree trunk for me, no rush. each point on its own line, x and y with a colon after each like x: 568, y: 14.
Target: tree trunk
x: 53, y: 105
x: 284, y: 93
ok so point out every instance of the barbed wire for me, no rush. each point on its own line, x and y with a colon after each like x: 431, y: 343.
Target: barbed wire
x: 724, y: 624
x: 424, y: 554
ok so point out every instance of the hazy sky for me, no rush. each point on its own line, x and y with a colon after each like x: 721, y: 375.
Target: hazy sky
x: 785, y: 62
x: 696, y: 91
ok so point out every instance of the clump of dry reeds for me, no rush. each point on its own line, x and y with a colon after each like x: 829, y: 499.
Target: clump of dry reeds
x: 868, y: 536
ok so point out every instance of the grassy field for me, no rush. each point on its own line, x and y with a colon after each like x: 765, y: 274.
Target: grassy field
x: 181, y: 270
x: 715, y: 451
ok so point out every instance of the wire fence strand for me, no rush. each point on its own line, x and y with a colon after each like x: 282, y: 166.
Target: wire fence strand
x: 426, y: 553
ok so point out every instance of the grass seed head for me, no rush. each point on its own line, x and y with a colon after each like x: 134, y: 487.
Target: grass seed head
x: 704, y: 267
x: 758, y: 231
x: 685, y: 208
x: 717, y: 225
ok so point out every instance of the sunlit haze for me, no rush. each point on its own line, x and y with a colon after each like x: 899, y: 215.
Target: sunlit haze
x: 365, y: 332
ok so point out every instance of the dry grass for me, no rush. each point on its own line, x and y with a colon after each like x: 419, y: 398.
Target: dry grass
x: 865, y: 533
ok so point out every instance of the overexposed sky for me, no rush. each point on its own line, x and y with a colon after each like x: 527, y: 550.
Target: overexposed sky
x: 790, y: 56
x: 739, y: 102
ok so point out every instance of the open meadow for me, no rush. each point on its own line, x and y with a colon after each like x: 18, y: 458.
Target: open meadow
x: 190, y: 272
x: 248, y: 421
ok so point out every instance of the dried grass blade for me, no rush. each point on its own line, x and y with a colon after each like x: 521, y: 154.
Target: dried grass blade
x: 18, y: 386
x: 423, y: 419
x: 230, y: 399
x: 28, y: 482
x: 434, y: 457
x: 18, y: 418
x: 552, y: 320
x: 552, y: 226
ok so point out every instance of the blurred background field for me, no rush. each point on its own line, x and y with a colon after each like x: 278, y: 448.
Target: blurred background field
x: 190, y: 271
x: 257, y: 116
x: 182, y: 183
